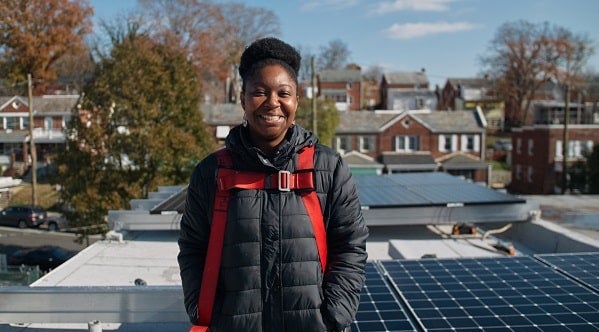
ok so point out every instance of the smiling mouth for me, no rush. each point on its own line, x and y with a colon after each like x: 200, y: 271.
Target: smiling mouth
x: 273, y: 117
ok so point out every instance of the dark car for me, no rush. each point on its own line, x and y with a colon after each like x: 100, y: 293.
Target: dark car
x: 46, y: 257
x: 22, y: 216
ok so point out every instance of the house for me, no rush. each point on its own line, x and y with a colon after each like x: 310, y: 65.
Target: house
x: 407, y: 91
x: 469, y: 93
x: 51, y: 113
x: 417, y: 141
x: 343, y: 86
x: 537, y: 155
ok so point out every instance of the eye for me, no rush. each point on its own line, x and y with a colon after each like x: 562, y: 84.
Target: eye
x: 258, y: 93
x: 285, y: 93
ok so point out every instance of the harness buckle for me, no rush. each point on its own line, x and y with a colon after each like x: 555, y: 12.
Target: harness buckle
x: 284, y: 183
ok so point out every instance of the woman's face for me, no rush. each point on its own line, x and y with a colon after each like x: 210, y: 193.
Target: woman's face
x: 269, y: 101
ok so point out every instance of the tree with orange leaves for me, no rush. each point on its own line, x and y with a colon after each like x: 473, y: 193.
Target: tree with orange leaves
x: 35, y: 34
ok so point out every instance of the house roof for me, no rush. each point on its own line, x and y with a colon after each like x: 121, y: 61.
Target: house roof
x: 340, y: 75
x: 365, y: 121
x: 470, y: 82
x: 412, y: 78
x: 14, y: 136
x: 460, y: 160
x: 222, y: 114
x: 357, y: 159
x: 451, y: 121
x: 46, y: 105
x: 409, y: 161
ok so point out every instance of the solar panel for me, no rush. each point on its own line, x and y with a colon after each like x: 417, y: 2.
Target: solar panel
x: 583, y: 267
x: 380, y: 309
x: 425, y: 189
x: 493, y: 294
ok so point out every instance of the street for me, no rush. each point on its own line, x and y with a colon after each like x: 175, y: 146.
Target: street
x: 40, y: 237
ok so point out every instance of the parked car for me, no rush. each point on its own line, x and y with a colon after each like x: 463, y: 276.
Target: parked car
x: 46, y: 257
x: 22, y: 216
x: 55, y: 222
x: 502, y: 145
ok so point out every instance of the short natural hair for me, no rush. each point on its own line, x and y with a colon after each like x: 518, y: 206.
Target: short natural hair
x: 268, y: 51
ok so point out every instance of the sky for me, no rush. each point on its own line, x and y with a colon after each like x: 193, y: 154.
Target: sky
x: 445, y: 37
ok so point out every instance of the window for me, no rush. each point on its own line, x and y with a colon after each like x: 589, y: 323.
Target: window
x: 12, y: 123
x: 343, y: 143
x: 530, y: 170
x: 576, y: 149
x: 530, y: 146
x: 518, y: 145
x: 470, y: 143
x: 559, y: 149
x: 366, y: 143
x: 518, y: 172
x: 48, y: 123
x: 448, y: 143
x: 407, y: 143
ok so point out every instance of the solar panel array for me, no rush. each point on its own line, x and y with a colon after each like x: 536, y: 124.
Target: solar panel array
x: 522, y: 293
x: 425, y: 189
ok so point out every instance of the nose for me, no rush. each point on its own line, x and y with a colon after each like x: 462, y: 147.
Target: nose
x: 272, y: 100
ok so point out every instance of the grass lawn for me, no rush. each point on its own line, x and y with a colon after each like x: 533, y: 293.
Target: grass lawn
x: 47, y: 196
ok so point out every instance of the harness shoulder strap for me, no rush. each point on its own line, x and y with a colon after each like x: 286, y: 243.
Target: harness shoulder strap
x: 312, y: 204
x: 215, y: 246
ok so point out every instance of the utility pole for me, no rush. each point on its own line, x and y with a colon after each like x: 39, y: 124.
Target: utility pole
x: 32, y: 151
x: 565, y: 141
x: 314, y: 110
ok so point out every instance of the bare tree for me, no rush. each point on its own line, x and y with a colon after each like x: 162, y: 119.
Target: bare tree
x: 523, y: 56
x: 335, y: 55
x: 214, y: 34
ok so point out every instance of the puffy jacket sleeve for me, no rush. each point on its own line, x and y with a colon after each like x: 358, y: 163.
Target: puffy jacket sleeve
x: 346, y: 241
x: 195, y: 231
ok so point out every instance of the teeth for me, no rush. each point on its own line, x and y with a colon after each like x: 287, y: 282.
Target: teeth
x: 271, y: 117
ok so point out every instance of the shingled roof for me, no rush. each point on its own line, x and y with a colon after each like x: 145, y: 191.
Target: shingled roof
x: 365, y: 121
x: 46, y: 105
x: 340, y: 75
x: 412, y: 78
x: 451, y: 121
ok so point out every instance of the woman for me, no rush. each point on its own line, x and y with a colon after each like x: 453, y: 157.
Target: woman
x: 271, y: 277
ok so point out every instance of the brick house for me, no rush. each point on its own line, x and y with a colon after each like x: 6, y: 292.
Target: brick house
x: 407, y: 91
x: 469, y: 93
x: 537, y: 157
x: 343, y: 86
x: 415, y: 141
x: 537, y: 150
x: 51, y: 113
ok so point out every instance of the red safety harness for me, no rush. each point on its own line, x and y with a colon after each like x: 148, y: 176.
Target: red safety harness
x: 227, y: 178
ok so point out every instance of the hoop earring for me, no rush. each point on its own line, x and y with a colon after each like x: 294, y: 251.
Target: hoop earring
x: 245, y: 121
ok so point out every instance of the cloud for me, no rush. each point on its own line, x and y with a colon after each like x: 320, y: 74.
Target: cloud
x: 415, y: 5
x: 415, y: 30
x: 328, y: 4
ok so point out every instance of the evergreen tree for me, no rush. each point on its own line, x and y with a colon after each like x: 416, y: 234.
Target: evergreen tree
x: 139, y: 127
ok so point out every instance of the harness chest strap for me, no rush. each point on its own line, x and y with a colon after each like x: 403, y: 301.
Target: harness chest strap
x: 227, y: 179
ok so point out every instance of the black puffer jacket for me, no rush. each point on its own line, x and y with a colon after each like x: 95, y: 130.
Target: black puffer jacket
x: 271, y: 278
